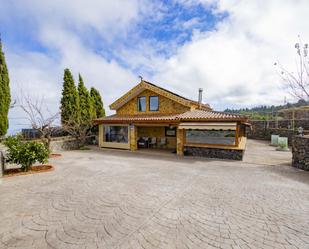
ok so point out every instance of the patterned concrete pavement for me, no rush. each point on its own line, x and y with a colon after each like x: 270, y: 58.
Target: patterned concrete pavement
x: 111, y: 199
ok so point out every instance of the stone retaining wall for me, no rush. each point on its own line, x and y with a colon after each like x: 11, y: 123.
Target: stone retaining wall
x: 214, y: 153
x: 67, y: 143
x: 264, y: 129
x: 300, y: 150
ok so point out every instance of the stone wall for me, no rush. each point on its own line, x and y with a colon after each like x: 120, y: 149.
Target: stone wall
x: 300, y: 150
x: 166, y: 105
x: 264, y: 129
x: 67, y: 143
x: 284, y: 123
x: 214, y: 153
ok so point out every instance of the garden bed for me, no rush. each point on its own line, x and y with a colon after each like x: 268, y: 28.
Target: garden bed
x: 54, y: 155
x: 33, y: 170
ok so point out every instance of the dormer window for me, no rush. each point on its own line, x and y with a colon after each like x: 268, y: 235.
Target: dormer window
x: 153, y: 103
x: 141, y: 104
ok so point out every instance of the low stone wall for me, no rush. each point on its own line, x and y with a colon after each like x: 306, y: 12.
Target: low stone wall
x: 300, y: 150
x: 264, y: 129
x: 67, y: 143
x: 265, y: 134
x: 214, y: 153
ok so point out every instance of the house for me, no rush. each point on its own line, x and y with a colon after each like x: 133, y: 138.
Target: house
x: 149, y: 116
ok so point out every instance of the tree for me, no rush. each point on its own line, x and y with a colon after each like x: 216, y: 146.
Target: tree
x: 70, y: 109
x: 97, y: 103
x: 298, y: 82
x: 85, y: 103
x: 78, y: 130
x: 39, y: 116
x: 5, y: 96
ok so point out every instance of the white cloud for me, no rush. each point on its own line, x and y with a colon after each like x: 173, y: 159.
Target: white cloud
x: 233, y: 63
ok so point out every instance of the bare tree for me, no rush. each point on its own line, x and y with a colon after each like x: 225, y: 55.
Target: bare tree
x: 297, y: 82
x: 80, y: 131
x: 39, y: 116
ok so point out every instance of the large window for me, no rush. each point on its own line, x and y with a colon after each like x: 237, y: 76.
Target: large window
x: 226, y: 137
x: 153, y: 103
x: 141, y: 104
x: 116, y: 134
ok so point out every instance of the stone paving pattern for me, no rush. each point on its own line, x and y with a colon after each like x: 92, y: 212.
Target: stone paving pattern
x: 114, y: 199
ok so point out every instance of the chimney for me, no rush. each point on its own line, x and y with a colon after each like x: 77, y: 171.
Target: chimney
x: 200, y: 96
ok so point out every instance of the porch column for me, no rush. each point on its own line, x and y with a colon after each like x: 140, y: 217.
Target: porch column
x: 133, y: 138
x: 100, y: 138
x: 237, y: 134
x: 180, y: 141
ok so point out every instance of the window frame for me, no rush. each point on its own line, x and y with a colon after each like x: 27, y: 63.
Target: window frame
x: 213, y: 137
x: 107, y: 130
x: 138, y: 98
x: 170, y: 129
x: 153, y: 96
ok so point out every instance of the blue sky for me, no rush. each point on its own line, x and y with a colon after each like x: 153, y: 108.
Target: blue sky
x: 227, y: 47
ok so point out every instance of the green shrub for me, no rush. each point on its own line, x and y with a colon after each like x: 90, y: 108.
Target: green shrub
x: 25, y: 153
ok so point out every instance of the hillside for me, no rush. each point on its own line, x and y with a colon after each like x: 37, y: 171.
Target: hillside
x: 266, y: 112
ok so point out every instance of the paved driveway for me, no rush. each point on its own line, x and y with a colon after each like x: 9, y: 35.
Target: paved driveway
x: 111, y: 199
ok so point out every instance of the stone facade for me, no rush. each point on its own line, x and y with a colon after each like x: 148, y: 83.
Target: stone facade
x: 166, y: 105
x: 180, y: 141
x: 133, y: 138
x: 300, y: 151
x: 214, y: 153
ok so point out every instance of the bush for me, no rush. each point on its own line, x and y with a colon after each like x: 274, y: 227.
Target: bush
x: 25, y: 153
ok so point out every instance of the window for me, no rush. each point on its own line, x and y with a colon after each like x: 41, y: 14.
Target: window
x: 141, y: 104
x: 170, y: 131
x: 226, y: 137
x: 116, y: 134
x: 153, y: 103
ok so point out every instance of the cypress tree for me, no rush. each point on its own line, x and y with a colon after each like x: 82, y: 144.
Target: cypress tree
x: 97, y: 103
x: 70, y: 108
x: 5, y: 96
x: 85, y: 102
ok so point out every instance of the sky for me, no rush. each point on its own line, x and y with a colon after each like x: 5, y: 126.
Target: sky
x: 226, y: 47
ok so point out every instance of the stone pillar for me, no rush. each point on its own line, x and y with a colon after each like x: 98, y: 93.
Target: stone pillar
x: 101, y: 135
x: 300, y: 150
x: 180, y: 141
x: 133, y: 137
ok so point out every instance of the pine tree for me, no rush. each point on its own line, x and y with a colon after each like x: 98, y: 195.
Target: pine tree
x: 85, y: 102
x: 70, y: 108
x: 97, y: 103
x: 5, y: 96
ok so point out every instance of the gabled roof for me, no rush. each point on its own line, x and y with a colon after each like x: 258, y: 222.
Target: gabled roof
x: 193, y: 115
x: 144, y: 85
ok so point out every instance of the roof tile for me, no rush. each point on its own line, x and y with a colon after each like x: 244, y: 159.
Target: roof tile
x: 189, y: 115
